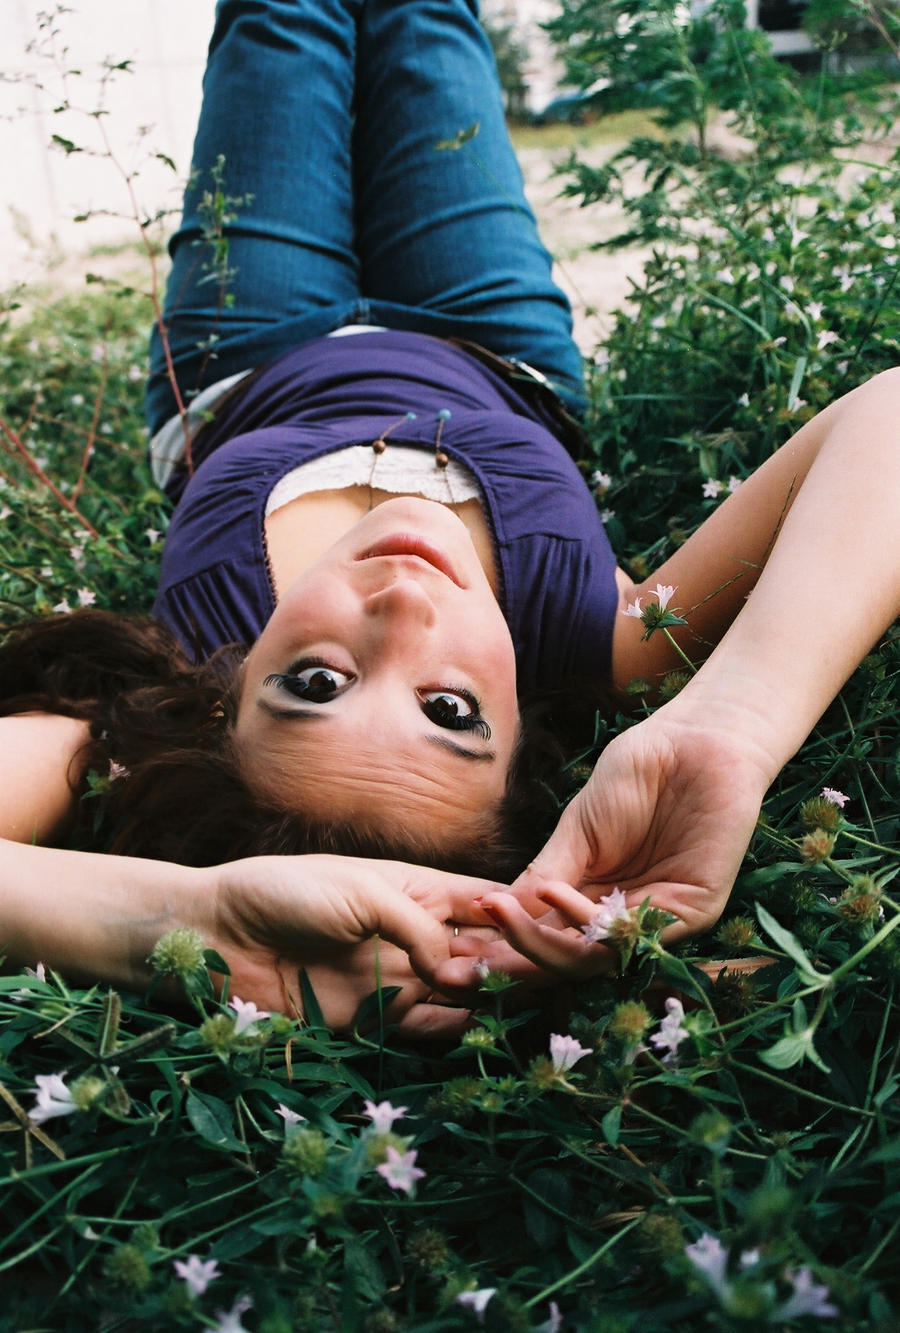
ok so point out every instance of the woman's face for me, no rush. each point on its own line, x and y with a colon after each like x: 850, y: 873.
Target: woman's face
x: 383, y: 686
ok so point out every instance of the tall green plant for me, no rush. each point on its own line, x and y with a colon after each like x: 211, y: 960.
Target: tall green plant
x: 765, y: 200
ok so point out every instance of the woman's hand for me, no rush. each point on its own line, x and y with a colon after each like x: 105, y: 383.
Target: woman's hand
x: 271, y: 916
x: 667, y: 814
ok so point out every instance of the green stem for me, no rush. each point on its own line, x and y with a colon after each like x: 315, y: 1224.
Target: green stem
x: 869, y: 945
x: 882, y: 1245
x: 54, y: 1199
x: 866, y: 842
x: 583, y: 1267
x: 797, y: 1091
x: 680, y: 651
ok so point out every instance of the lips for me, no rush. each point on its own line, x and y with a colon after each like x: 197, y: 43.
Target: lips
x: 411, y: 544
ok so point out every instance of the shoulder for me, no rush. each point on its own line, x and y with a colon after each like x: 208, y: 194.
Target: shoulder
x: 39, y: 773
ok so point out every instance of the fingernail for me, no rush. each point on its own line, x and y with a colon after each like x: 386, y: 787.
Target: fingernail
x: 491, y: 911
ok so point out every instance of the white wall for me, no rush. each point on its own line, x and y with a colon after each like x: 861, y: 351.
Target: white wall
x: 543, y: 70
x: 152, y: 110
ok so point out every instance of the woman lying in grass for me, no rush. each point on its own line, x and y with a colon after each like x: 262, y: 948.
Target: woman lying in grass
x: 391, y: 524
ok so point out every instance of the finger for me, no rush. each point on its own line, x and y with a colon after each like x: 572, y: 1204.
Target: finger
x: 392, y: 914
x: 564, y: 951
x: 425, y: 885
x: 473, y: 936
x: 574, y: 907
x: 434, y: 1021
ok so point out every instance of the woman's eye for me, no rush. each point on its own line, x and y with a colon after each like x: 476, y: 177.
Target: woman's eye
x: 315, y: 684
x: 456, y: 710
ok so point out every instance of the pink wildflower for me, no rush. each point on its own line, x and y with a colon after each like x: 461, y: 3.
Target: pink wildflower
x: 53, y: 1098
x: 400, y: 1170
x: 477, y: 1301
x: 383, y: 1115
x: 247, y: 1014
x: 614, y: 907
x: 565, y: 1051
x: 671, y: 1034
x: 197, y: 1273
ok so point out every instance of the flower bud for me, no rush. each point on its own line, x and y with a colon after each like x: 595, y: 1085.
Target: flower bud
x: 306, y: 1152
x: 661, y: 1234
x: 738, y: 933
x: 479, y: 1038
x: 816, y: 846
x: 629, y: 1022
x: 495, y: 982
x: 86, y: 1090
x: 429, y: 1250
x: 180, y: 953
x: 821, y: 814
x: 860, y: 901
x: 127, y: 1267
x: 711, y: 1130
x: 378, y: 1144
x: 217, y: 1032
x: 456, y: 1099
x: 638, y: 687
x: 672, y: 683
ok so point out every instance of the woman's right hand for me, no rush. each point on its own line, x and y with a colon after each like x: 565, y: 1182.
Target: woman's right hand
x: 271, y: 916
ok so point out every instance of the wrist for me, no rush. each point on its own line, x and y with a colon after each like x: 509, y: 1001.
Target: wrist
x: 104, y: 916
x: 742, y: 716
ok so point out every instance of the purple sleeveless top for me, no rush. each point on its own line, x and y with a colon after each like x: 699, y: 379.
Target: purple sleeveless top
x: 555, y: 565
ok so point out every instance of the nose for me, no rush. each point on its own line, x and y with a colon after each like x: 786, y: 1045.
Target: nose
x: 402, y: 602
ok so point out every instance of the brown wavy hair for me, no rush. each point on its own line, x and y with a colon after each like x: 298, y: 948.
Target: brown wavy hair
x: 168, y: 721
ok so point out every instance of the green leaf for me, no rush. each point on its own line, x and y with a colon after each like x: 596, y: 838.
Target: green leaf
x: 362, y: 1269
x: 65, y: 144
x: 797, y: 379
x: 785, y: 1053
x: 611, y: 1124
x: 311, y: 1007
x: 792, y: 1049
x: 215, y: 962
x: 373, y: 1006
x: 212, y: 1120
x: 793, y: 948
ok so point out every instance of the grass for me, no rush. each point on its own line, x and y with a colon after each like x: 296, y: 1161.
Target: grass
x: 751, y: 1177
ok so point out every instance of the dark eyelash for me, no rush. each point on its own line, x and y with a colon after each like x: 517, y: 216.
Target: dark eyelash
x: 284, y: 682
x: 290, y: 683
x: 474, y: 722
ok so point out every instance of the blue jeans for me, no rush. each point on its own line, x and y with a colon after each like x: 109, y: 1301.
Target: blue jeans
x: 341, y: 124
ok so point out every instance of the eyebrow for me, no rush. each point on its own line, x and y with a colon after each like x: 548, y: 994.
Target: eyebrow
x: 443, y: 742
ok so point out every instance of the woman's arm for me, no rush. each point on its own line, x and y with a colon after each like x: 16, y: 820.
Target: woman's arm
x: 37, y: 771
x: 94, y: 916
x: 844, y: 464
x: 672, y: 803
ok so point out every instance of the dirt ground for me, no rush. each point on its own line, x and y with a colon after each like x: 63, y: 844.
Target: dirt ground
x: 595, y: 281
